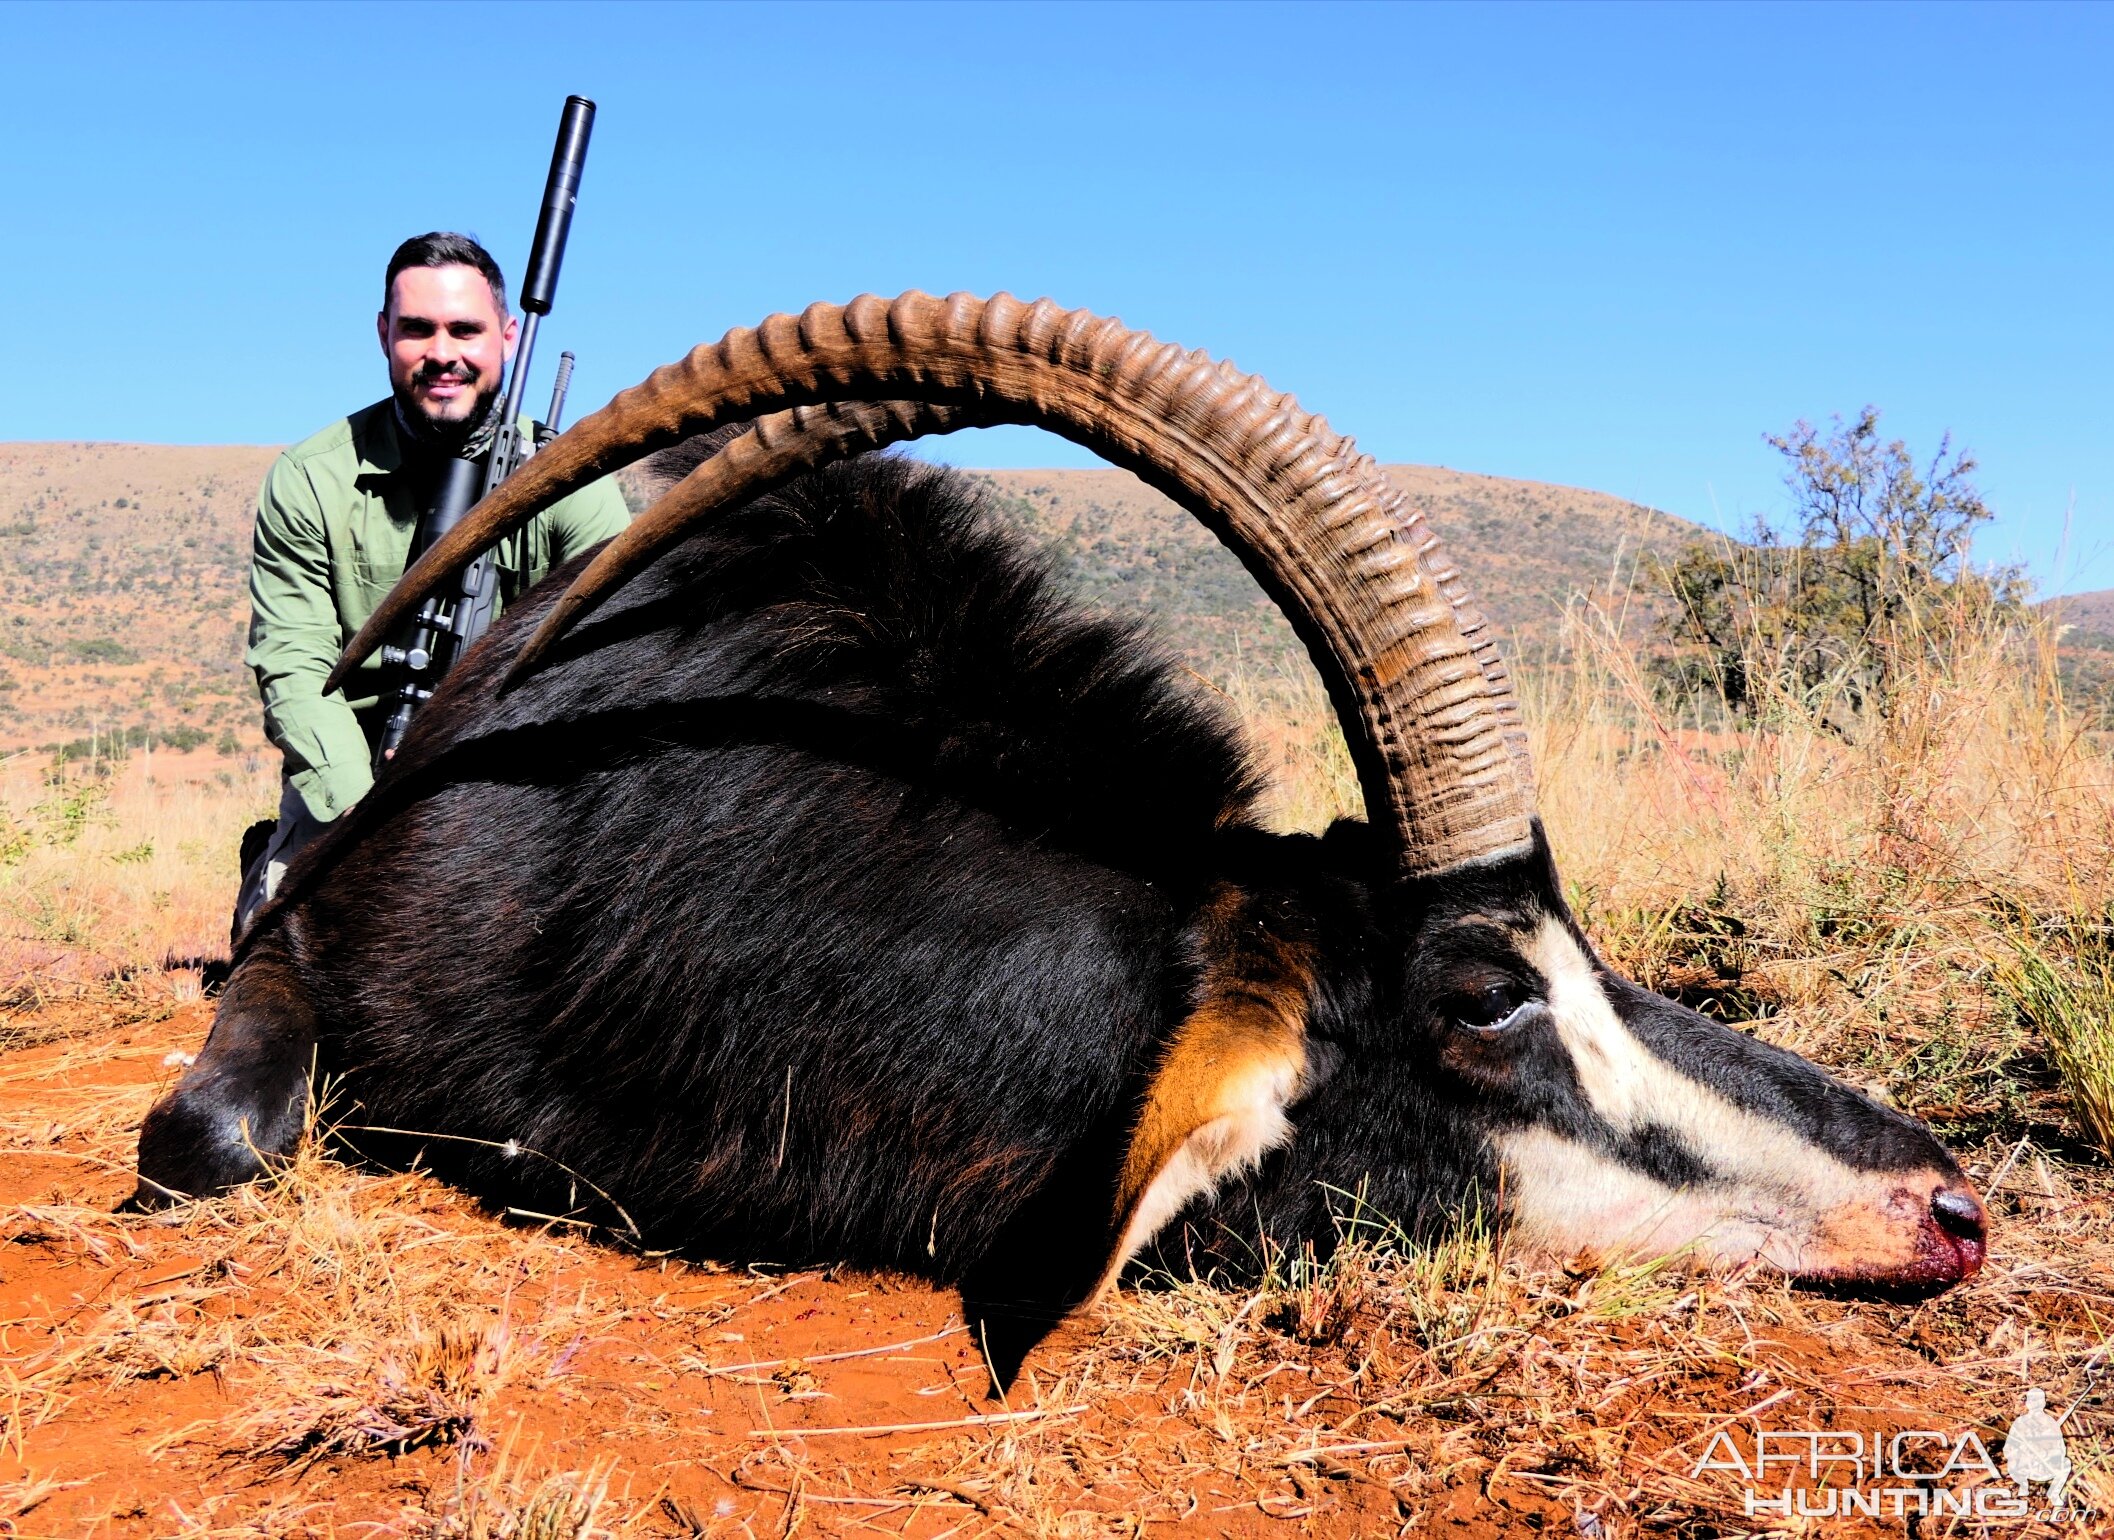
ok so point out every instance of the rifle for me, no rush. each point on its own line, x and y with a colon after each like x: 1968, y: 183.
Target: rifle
x: 446, y: 627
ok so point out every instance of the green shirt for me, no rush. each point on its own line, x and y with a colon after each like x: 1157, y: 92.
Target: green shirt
x: 335, y: 521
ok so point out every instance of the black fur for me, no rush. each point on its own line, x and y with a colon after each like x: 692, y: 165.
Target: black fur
x: 839, y: 789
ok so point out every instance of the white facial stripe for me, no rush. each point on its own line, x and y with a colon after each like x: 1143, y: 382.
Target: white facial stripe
x: 1776, y: 1188
x: 1566, y: 1197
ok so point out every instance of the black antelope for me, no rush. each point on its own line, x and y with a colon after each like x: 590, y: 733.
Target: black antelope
x: 807, y: 876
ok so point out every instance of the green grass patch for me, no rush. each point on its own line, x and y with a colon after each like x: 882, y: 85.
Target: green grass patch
x: 2061, y: 985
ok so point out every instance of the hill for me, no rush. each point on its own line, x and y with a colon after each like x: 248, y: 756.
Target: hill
x: 122, y: 570
x: 122, y: 593
x: 2092, y: 614
x: 2086, y: 651
x: 1526, y: 548
x: 123, y: 610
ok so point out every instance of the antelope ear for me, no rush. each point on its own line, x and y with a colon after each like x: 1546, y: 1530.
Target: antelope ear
x: 1215, y: 1107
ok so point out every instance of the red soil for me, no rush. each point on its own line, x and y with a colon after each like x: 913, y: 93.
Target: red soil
x: 195, y: 1375
x: 696, y: 1450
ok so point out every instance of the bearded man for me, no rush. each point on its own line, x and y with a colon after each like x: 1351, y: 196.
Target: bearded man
x: 336, y: 518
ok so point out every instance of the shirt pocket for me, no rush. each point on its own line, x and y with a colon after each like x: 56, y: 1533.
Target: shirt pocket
x: 381, y: 544
x: 374, y: 573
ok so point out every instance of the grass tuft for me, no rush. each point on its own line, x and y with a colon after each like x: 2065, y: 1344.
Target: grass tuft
x: 2066, y: 995
x: 429, y: 1392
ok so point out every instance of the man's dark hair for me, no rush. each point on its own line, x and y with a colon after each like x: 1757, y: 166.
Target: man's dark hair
x: 444, y: 248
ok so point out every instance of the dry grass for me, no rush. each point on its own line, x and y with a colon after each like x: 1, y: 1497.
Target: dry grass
x: 1863, y: 894
x: 1924, y: 905
x: 345, y: 1315
x: 1926, y: 902
x: 508, y: 1501
x: 2064, y: 989
x: 112, y: 870
x: 1370, y: 1393
x: 1442, y: 1371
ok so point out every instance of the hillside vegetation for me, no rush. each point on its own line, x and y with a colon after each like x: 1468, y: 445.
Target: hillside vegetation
x: 1528, y: 550
x: 122, y: 571
x: 2085, y: 624
x: 122, y: 595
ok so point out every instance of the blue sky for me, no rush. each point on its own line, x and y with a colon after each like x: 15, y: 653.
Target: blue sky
x: 1608, y: 247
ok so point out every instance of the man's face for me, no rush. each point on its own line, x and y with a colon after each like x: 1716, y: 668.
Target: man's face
x: 446, y: 344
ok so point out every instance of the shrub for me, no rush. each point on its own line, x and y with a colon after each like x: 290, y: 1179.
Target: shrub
x: 102, y: 649
x: 1876, y: 575
x: 69, y: 807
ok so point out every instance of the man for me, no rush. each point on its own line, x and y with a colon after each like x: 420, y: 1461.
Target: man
x: 335, y: 522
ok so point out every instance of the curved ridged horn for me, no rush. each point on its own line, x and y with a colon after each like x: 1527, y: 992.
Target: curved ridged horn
x: 776, y: 450
x: 1426, y: 704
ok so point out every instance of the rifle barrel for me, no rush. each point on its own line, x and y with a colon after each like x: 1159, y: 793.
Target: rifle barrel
x: 539, y: 286
x: 561, y: 190
x: 441, y: 634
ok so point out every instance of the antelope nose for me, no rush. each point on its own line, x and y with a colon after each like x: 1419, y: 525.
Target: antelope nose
x: 1960, y: 1212
x: 1960, y: 1215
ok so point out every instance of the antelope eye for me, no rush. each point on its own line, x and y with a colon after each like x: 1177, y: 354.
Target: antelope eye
x: 1489, y: 1010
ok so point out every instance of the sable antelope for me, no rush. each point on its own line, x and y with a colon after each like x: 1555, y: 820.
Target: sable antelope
x: 805, y: 876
